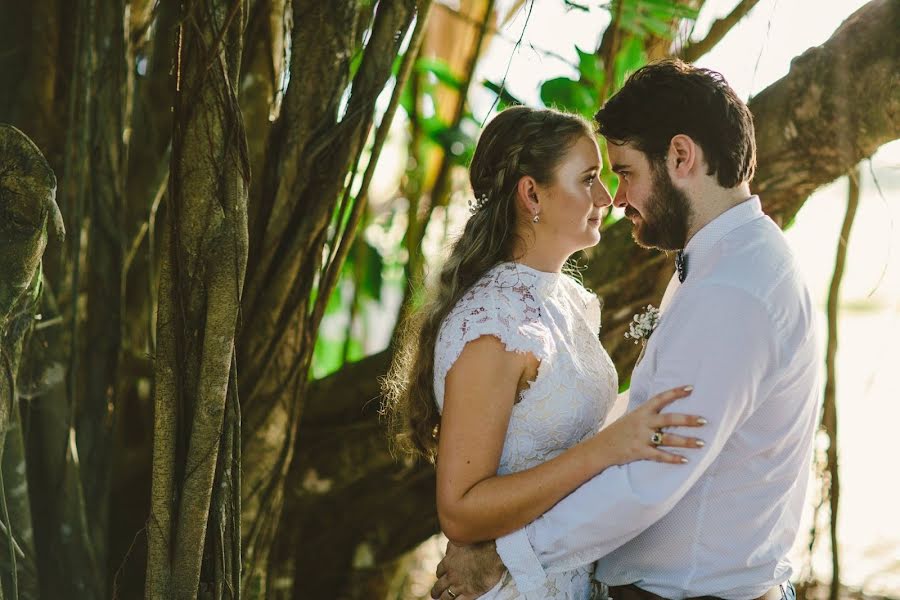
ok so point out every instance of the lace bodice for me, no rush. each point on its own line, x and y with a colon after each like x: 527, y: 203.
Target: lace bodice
x: 558, y: 321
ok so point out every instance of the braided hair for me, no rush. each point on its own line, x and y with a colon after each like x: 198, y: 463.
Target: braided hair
x: 518, y: 142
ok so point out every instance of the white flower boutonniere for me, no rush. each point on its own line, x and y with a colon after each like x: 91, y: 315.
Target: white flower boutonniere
x: 643, y: 324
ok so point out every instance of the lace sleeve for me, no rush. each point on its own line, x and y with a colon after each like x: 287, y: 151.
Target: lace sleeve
x: 511, y: 315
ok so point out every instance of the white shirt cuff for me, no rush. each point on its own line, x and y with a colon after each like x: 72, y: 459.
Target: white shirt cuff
x: 522, y: 563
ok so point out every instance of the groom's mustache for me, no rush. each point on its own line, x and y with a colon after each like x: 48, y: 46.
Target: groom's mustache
x: 630, y: 212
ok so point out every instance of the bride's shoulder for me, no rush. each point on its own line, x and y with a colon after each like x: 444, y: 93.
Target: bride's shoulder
x: 502, y: 294
x: 508, y: 290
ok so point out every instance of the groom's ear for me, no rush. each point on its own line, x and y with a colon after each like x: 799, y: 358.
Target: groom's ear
x: 684, y: 156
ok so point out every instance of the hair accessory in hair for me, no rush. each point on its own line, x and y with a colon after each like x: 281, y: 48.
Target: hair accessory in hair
x: 478, y: 203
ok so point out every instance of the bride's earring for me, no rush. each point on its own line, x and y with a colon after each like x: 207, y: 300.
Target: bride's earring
x: 536, y: 219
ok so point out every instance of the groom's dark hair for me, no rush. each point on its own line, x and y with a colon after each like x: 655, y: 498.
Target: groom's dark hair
x: 670, y: 97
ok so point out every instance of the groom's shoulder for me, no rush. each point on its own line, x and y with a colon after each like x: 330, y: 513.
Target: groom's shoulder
x: 760, y: 262
x: 758, y: 253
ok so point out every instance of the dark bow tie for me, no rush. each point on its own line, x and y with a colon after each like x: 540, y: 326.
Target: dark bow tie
x: 681, y: 265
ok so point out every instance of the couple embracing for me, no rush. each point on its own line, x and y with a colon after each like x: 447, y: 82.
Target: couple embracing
x: 695, y: 492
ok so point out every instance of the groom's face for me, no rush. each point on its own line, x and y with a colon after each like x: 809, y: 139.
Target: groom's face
x: 659, y: 212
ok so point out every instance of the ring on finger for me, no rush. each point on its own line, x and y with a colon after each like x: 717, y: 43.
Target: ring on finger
x: 451, y: 594
x: 656, y: 438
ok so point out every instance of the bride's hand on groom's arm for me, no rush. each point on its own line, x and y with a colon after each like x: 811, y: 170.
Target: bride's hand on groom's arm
x: 631, y: 437
x: 467, y: 572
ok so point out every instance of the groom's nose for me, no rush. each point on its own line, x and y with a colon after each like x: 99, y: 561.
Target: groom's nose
x: 620, y: 201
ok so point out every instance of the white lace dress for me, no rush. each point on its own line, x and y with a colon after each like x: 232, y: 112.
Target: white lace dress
x: 552, y: 316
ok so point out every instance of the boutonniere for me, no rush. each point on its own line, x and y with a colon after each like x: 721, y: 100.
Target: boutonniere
x: 643, y: 324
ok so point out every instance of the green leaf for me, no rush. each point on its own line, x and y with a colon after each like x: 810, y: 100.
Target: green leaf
x: 406, y: 99
x: 328, y: 356
x: 506, y: 99
x: 355, y: 62
x: 432, y: 127
x: 790, y: 223
x: 373, y: 265
x: 624, y: 385
x: 441, y: 70
x: 573, y: 96
x: 335, y: 303
x: 610, y: 180
x: 629, y: 59
x: 454, y: 141
x: 591, y: 67
x: 355, y: 350
x: 658, y: 27
x: 669, y: 9
x: 576, y: 6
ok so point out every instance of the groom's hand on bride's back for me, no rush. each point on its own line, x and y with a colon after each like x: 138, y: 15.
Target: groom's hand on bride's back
x: 467, y: 572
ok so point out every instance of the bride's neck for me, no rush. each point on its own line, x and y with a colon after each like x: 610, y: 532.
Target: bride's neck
x: 539, y: 259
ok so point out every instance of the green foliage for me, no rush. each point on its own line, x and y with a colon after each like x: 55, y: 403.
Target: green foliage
x: 366, y: 268
x: 643, y: 18
x: 582, y: 95
x: 431, y: 73
x: 630, y: 58
x: 590, y: 66
x: 361, y: 281
x: 569, y: 95
x: 440, y: 70
x: 506, y: 99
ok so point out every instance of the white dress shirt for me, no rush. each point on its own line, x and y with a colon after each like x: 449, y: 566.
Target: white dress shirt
x: 740, y: 329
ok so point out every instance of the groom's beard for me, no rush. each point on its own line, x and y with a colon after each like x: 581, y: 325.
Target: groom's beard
x: 665, y: 220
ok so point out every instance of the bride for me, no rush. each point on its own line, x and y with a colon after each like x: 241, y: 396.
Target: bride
x: 500, y: 378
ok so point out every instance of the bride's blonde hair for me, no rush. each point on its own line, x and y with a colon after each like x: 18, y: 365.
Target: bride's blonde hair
x: 519, y: 141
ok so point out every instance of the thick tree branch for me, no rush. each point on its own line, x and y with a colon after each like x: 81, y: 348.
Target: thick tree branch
x: 836, y: 106
x: 694, y: 50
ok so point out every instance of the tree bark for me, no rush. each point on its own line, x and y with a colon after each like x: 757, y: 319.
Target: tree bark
x: 312, y: 146
x: 28, y: 215
x: 796, y: 110
x: 829, y: 402
x: 98, y: 397
x: 194, y: 534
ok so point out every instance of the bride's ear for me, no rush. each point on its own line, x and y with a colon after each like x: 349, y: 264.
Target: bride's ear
x: 527, y: 196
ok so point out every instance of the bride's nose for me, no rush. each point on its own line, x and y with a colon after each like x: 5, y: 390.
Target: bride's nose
x: 601, y: 195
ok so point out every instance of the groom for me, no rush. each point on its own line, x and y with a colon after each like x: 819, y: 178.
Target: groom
x: 738, y: 324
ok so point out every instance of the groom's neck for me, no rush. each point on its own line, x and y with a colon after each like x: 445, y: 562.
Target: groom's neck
x: 712, y: 201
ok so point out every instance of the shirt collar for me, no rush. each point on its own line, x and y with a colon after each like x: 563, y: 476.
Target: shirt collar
x: 704, y: 240
x: 544, y: 283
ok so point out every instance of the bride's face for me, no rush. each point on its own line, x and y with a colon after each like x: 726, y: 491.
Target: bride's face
x: 572, y: 205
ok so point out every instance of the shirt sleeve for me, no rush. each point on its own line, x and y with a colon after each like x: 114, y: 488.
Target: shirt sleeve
x: 717, y: 338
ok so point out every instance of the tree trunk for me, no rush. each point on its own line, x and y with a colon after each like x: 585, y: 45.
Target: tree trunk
x: 105, y: 267
x: 194, y: 529
x: 312, y: 146
x: 28, y: 215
